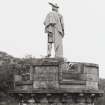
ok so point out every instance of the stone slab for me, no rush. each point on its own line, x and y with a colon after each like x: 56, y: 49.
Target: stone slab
x: 92, y: 85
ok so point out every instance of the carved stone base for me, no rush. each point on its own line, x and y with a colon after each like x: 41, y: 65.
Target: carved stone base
x: 53, y: 81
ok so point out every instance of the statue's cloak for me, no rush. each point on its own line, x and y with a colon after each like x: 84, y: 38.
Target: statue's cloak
x: 54, y: 19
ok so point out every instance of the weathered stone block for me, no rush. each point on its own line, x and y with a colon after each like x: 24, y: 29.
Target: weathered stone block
x: 72, y: 87
x: 91, y: 85
x: 91, y: 68
x: 92, y: 77
x: 24, y: 87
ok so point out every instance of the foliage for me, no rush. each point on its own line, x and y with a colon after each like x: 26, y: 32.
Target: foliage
x: 6, y: 76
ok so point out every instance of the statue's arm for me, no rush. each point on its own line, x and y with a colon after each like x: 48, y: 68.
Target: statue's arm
x: 49, y: 20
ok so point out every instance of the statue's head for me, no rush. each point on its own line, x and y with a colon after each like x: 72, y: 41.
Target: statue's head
x: 55, y: 7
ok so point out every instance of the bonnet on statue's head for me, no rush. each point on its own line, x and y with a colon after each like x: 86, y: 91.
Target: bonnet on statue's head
x: 53, y: 4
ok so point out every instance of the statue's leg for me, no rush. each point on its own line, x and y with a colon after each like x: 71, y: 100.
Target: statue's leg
x: 58, y: 45
x: 49, y: 49
x: 59, y: 50
x: 50, y: 41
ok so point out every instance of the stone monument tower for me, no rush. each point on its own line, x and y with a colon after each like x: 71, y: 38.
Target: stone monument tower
x: 54, y: 81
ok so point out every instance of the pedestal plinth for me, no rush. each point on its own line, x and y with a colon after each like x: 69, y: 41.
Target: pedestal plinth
x: 52, y: 80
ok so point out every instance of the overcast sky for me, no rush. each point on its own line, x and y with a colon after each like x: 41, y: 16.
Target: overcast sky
x: 22, y: 29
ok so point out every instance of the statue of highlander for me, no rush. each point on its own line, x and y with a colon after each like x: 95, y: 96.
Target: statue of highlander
x: 54, y: 27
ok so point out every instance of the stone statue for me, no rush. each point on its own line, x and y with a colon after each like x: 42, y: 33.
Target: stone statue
x: 54, y: 27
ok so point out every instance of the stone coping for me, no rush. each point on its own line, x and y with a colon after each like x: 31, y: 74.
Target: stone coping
x: 55, y: 62
x: 41, y: 91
